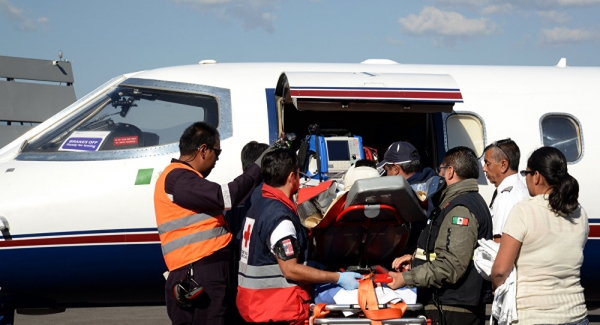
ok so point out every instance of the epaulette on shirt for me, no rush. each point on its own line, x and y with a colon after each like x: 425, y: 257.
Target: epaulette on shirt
x: 507, y: 189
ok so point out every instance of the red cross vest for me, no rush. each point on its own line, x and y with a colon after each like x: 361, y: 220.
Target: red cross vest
x: 264, y: 294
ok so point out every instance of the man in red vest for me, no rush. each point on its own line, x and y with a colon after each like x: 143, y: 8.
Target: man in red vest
x: 273, y: 274
x: 194, y: 236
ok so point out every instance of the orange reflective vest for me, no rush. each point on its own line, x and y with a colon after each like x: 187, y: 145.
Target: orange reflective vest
x: 186, y: 235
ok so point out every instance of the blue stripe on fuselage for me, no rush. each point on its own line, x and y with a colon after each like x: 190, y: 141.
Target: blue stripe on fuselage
x: 95, y: 274
x: 589, y: 271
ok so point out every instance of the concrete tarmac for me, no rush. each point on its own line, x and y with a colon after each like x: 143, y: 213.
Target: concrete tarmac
x: 156, y: 315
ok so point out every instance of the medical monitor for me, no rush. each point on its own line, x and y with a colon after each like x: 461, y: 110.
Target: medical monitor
x: 342, y: 152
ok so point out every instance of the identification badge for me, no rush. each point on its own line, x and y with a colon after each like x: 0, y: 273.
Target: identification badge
x: 460, y: 221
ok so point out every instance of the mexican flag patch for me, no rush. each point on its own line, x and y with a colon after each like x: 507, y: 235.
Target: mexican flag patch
x: 460, y: 221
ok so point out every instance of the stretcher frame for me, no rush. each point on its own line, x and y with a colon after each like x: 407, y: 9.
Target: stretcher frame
x: 355, y: 309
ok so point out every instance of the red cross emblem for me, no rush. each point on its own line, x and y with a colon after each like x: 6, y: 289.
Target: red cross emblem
x: 247, y: 235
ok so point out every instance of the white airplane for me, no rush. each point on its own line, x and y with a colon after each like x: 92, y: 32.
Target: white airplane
x: 76, y: 209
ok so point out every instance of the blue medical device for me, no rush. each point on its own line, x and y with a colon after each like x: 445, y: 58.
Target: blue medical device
x: 328, y: 156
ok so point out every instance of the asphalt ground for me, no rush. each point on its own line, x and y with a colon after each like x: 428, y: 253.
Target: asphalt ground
x: 156, y: 315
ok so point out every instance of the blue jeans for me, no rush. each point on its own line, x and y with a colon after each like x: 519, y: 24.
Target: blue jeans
x: 583, y: 321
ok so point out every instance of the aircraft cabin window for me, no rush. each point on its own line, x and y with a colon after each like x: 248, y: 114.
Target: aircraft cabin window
x: 127, y: 118
x: 465, y: 130
x: 564, y: 133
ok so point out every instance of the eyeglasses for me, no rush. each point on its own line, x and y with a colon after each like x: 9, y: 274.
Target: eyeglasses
x: 498, y: 145
x: 217, y: 151
x: 439, y: 169
x: 525, y: 172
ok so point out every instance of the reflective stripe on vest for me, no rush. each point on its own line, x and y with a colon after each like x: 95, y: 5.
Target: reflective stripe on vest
x: 186, y: 221
x: 193, y: 238
x: 186, y: 235
x: 262, y: 277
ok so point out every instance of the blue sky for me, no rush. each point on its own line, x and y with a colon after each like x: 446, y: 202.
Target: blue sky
x: 107, y: 38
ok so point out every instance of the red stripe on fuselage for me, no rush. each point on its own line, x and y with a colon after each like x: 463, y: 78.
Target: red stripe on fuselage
x: 376, y: 94
x: 133, y: 238
x: 79, y: 240
x: 594, y: 231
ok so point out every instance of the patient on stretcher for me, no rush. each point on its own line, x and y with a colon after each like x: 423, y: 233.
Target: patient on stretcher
x: 314, y: 203
x: 367, y: 225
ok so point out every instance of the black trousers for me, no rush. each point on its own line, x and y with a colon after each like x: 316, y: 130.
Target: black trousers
x: 7, y: 313
x: 475, y: 317
x: 236, y: 318
x: 213, y: 273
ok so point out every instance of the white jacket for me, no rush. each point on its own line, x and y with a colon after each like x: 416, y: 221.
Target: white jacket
x: 504, y: 308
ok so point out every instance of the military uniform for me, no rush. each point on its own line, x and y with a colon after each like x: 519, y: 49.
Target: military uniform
x: 443, y: 262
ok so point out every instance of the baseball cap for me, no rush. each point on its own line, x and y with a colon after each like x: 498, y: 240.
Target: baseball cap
x: 399, y: 152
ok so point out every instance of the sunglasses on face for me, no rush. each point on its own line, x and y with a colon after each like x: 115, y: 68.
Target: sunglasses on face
x: 525, y: 172
x: 217, y: 151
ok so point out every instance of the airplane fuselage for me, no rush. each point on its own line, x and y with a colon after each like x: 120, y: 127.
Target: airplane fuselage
x: 82, y: 229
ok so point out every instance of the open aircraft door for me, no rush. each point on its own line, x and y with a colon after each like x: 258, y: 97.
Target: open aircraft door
x: 365, y: 91
x: 380, y: 107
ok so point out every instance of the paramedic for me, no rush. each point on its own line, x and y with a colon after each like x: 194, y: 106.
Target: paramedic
x: 235, y: 218
x: 272, y: 275
x: 442, y: 266
x: 193, y: 233
x: 501, y: 163
x: 403, y: 159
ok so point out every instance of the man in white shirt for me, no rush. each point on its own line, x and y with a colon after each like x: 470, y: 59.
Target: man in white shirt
x: 501, y: 165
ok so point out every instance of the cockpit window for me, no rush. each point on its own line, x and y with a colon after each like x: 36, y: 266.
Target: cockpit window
x: 126, y: 118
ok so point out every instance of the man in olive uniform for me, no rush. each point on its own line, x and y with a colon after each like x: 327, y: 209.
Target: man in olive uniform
x: 442, y: 266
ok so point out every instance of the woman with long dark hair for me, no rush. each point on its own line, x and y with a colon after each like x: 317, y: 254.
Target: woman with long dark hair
x: 544, y: 238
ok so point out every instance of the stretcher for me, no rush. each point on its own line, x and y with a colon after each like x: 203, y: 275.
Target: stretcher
x: 336, y: 316
x: 366, y: 227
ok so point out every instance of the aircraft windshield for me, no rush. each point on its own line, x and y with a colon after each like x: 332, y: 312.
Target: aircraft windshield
x: 128, y: 118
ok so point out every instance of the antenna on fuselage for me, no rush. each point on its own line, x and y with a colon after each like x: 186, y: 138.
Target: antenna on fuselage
x: 562, y: 63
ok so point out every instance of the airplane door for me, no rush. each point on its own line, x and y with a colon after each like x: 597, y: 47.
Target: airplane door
x: 380, y: 107
x: 360, y: 91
